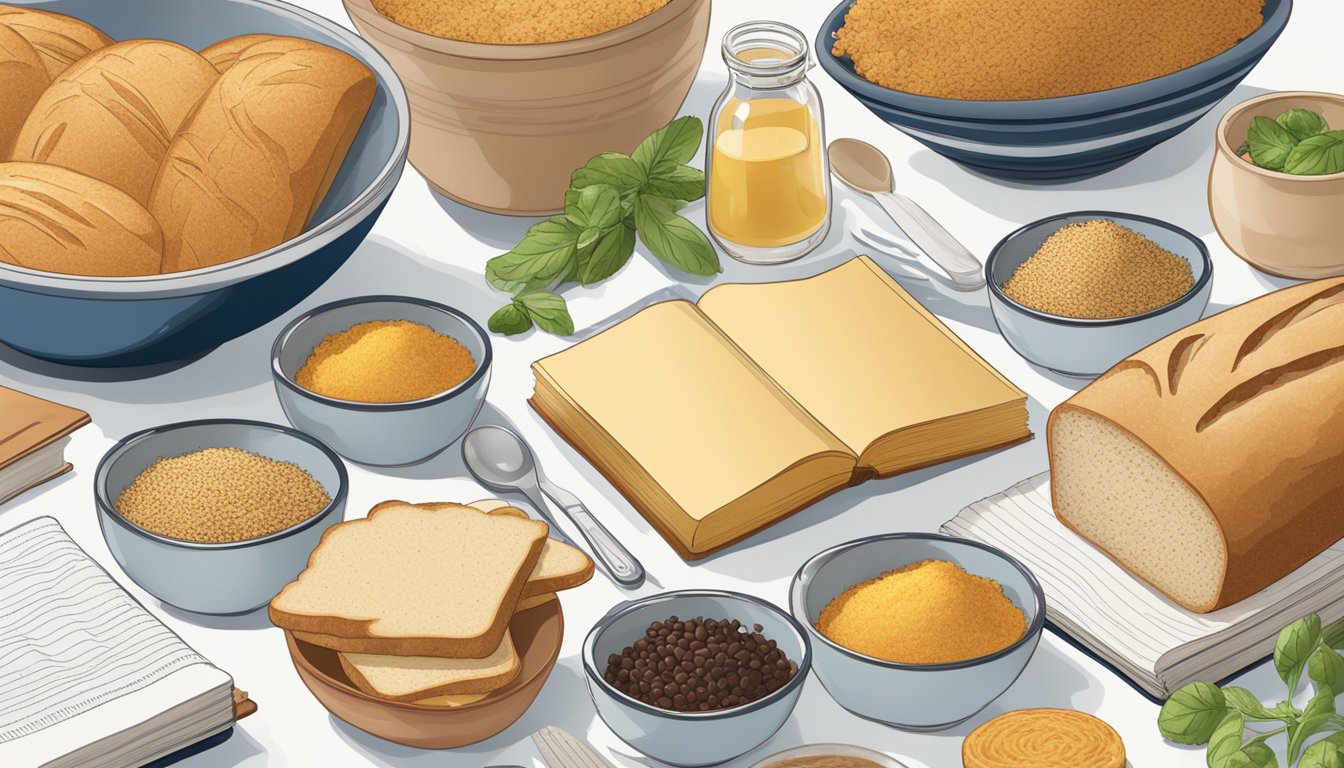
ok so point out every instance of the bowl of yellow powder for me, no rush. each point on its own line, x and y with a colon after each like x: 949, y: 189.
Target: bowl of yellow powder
x: 217, y: 516
x: 919, y: 631
x: 383, y: 380
x: 1079, y: 292
x: 1046, y: 90
x: 508, y: 97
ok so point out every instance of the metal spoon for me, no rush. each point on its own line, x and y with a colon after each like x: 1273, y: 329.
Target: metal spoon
x: 864, y: 168
x: 502, y: 461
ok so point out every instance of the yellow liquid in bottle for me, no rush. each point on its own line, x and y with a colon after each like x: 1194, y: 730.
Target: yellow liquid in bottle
x: 767, y: 183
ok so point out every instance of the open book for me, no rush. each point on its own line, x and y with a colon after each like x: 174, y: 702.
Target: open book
x: 717, y: 419
x: 88, y: 678
x: 1157, y: 644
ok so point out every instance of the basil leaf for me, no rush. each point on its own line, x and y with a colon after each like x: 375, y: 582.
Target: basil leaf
x: 546, y: 255
x: 670, y: 146
x: 615, y: 170
x: 1270, y: 143
x: 680, y: 183
x: 611, y: 252
x: 1323, y: 754
x: 1317, y: 155
x: 1295, y: 643
x: 547, y: 310
x: 1333, y: 635
x: 509, y: 320
x: 1326, y: 667
x: 1315, y: 716
x: 595, y: 207
x: 1192, y: 713
x: 1252, y: 756
x: 1226, y: 739
x: 1247, y: 704
x: 1303, y: 123
x: 673, y: 239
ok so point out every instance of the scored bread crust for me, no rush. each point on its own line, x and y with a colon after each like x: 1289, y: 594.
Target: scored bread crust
x: 359, y: 634
x: 224, y: 54
x: 1240, y: 406
x: 60, y: 40
x: 23, y: 80
x: 486, y: 675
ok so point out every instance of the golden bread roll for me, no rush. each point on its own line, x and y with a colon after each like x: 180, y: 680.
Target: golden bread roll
x: 57, y: 220
x: 22, y: 81
x: 224, y: 54
x: 112, y: 115
x: 59, y: 39
x: 1043, y: 738
x: 249, y: 167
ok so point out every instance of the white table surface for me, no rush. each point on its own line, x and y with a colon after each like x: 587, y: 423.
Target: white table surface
x: 430, y: 247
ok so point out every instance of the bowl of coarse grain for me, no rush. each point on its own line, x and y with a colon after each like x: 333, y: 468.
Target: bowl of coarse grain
x: 1284, y: 224
x: 383, y: 380
x: 918, y: 696
x: 217, y: 516
x: 509, y: 97
x: 1079, y: 292
x: 980, y: 81
x: 152, y: 319
x: 679, y: 642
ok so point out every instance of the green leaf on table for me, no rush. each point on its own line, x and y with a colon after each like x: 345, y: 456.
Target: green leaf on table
x: 1326, y: 753
x: 1333, y: 635
x: 1252, y: 756
x: 1270, y: 143
x: 673, y: 239
x: 547, y: 310
x: 509, y: 320
x: 1315, y: 716
x: 1317, y: 155
x: 546, y: 255
x: 680, y: 183
x: 1326, y: 667
x: 1295, y: 643
x: 1303, y: 123
x: 608, y: 254
x: 595, y: 207
x: 1226, y: 739
x: 613, y: 169
x: 1192, y: 713
x: 1247, y: 704
x: 670, y: 146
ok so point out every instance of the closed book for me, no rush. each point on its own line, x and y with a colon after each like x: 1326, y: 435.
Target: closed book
x: 33, y: 436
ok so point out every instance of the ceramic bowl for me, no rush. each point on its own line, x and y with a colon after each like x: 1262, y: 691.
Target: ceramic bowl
x: 381, y: 434
x: 1087, y: 348
x: 1056, y: 139
x: 1279, y: 223
x: 831, y: 750
x: 696, y: 738
x: 133, y: 321
x: 228, y: 578
x: 918, y: 697
x: 502, y: 127
x: 536, y: 633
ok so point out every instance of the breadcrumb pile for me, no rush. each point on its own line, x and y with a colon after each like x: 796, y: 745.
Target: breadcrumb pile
x: 1099, y: 270
x: 515, y: 22
x: 386, y: 361
x: 995, y: 50
x: 218, y: 495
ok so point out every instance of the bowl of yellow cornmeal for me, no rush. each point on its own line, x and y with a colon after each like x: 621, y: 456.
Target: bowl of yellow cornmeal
x: 919, y: 631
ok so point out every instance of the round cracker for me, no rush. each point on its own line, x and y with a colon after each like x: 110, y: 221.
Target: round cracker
x: 1043, y: 738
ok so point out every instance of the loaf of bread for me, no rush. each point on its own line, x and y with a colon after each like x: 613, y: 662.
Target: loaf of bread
x: 112, y: 115
x: 1211, y: 464
x: 58, y: 220
x: 250, y: 166
x: 59, y: 39
x: 224, y: 54
x: 22, y: 81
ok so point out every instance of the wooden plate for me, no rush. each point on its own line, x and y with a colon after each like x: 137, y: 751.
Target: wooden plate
x: 537, y: 634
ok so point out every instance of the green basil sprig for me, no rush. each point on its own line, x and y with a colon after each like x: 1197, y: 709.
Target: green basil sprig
x: 1204, y: 714
x: 1299, y: 142
x: 611, y: 200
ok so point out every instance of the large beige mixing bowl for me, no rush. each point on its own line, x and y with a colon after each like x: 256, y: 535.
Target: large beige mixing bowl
x: 501, y: 127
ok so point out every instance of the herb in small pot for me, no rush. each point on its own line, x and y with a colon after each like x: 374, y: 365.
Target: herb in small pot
x: 1298, y: 142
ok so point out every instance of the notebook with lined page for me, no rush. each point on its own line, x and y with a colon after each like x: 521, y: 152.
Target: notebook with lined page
x: 1157, y: 644
x: 88, y: 677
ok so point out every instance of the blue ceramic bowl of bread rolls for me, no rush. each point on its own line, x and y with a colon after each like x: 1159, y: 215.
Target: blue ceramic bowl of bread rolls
x: 250, y: 216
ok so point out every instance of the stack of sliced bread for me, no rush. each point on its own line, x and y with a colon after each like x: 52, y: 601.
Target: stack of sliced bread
x: 417, y: 598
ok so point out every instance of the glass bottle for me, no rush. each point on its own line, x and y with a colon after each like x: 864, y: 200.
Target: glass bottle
x: 769, y: 197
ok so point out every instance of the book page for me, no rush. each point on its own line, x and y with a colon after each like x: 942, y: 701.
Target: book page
x: 854, y: 349
x: 704, y: 423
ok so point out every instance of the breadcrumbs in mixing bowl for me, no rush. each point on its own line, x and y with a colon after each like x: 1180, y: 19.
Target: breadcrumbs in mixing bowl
x: 993, y: 50
x: 516, y: 22
x: 218, y: 495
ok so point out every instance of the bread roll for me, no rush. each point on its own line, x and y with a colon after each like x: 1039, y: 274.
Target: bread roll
x: 1211, y: 464
x: 247, y: 170
x: 224, y: 54
x: 57, y: 220
x: 112, y: 115
x: 22, y: 81
x: 59, y: 39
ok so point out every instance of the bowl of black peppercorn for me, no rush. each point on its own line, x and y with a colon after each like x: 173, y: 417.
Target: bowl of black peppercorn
x: 696, y: 677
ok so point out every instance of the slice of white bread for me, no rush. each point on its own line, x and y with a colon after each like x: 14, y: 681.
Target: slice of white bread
x: 561, y: 566
x: 412, y: 581
x: 412, y: 678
